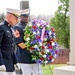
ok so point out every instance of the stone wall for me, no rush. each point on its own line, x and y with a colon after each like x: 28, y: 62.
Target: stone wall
x: 63, y: 57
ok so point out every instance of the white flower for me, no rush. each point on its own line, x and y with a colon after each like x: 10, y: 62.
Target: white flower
x: 45, y: 47
x: 55, y: 56
x: 30, y: 24
x: 40, y: 53
x: 45, y: 39
x: 53, y: 44
x: 50, y: 32
x: 52, y: 60
x: 48, y: 26
x: 44, y: 56
x: 35, y: 46
x: 34, y: 33
x: 27, y: 39
x: 38, y: 32
x: 38, y: 25
x: 40, y: 43
x: 46, y: 62
x: 54, y: 34
x: 47, y: 50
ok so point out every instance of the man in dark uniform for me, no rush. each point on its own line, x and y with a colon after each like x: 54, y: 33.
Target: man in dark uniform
x: 8, y: 60
x: 28, y: 66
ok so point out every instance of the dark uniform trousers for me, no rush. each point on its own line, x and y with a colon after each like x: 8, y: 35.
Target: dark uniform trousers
x: 7, y: 55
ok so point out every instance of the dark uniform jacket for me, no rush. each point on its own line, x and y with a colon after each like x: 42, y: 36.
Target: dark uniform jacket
x: 24, y: 56
x: 7, y: 55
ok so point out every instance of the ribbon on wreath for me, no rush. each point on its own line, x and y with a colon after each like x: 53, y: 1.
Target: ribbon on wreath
x: 43, y: 34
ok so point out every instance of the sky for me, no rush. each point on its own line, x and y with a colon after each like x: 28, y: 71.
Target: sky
x: 37, y: 6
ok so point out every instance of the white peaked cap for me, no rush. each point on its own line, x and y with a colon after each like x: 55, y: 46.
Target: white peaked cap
x: 14, y: 11
x: 25, y: 11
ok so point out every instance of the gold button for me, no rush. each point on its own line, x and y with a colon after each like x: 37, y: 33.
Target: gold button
x: 8, y: 24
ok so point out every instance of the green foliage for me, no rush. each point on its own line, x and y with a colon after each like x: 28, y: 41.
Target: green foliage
x: 60, y: 22
x: 1, y: 17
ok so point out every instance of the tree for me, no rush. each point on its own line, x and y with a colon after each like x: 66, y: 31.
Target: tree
x: 60, y: 22
x: 1, y: 17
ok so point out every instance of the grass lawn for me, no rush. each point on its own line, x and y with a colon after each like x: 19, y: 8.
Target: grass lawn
x: 48, y: 69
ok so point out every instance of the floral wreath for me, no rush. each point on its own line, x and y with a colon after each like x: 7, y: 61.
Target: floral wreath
x: 41, y: 41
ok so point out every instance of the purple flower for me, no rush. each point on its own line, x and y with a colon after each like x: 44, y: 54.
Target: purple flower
x: 47, y: 56
x: 39, y: 61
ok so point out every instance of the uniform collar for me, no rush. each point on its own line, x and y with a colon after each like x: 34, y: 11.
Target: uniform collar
x: 6, y: 23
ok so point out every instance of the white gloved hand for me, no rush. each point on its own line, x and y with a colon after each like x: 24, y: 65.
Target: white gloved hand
x: 17, y: 66
x: 2, y: 68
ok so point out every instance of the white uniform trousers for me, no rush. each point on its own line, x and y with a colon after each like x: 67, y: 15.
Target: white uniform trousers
x: 31, y: 69
x: 7, y: 73
x: 11, y: 73
x: 3, y: 73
